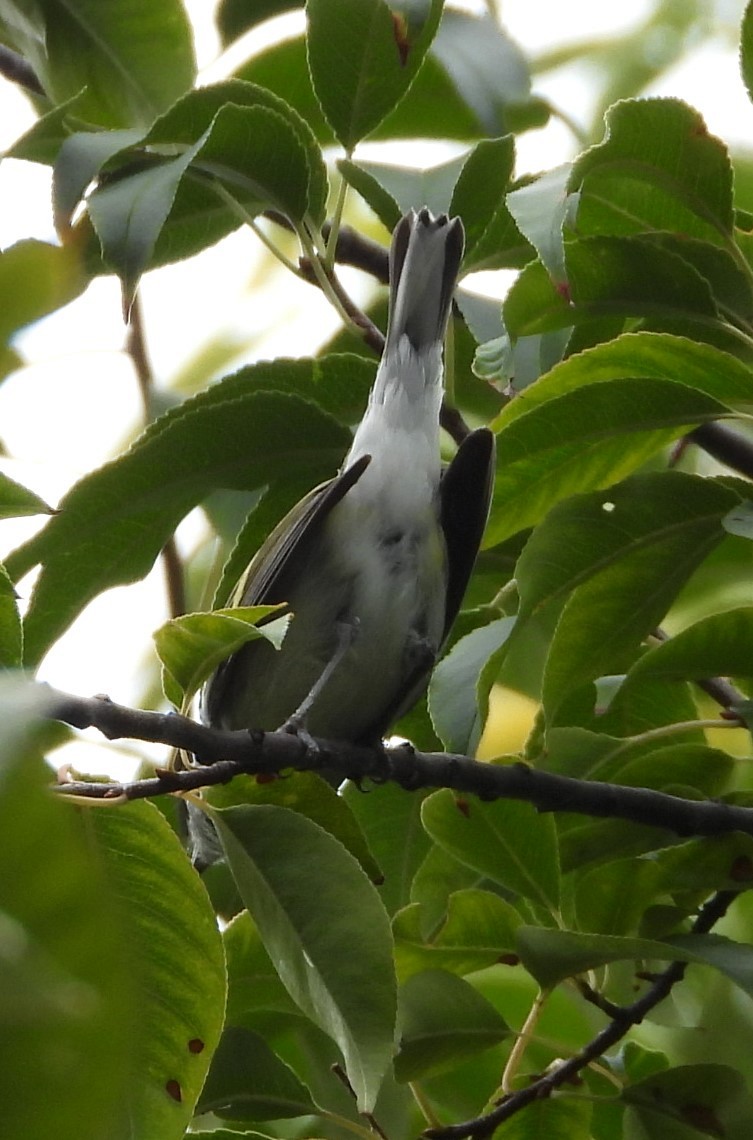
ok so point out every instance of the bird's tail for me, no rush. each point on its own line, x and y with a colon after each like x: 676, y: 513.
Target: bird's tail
x: 425, y: 259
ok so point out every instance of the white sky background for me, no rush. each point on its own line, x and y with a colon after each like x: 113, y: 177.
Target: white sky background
x: 76, y: 401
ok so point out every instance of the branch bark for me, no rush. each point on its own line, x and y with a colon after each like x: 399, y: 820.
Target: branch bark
x: 224, y: 755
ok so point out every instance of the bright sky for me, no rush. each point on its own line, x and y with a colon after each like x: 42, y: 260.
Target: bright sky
x: 76, y: 402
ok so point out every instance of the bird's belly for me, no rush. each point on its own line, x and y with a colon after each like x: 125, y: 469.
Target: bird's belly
x: 390, y: 597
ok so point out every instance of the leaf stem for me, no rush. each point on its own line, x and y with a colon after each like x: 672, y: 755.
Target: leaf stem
x: 521, y: 1044
x: 337, y: 217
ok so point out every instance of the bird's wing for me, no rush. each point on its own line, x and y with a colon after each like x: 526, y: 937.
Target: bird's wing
x: 465, y: 496
x: 299, y: 526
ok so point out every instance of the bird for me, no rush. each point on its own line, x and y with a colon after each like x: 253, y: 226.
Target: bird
x: 374, y: 563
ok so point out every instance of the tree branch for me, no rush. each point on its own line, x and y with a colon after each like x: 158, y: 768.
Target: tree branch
x: 623, y: 1019
x: 228, y: 754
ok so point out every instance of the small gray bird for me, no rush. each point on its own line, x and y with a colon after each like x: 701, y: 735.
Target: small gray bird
x: 374, y: 563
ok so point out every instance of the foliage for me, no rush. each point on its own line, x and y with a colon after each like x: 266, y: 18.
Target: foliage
x: 441, y: 951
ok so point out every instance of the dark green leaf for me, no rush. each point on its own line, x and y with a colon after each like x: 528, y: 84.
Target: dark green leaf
x: 507, y: 841
x: 478, y: 929
x: 692, y: 1101
x: 11, y: 634
x: 600, y: 425
x: 746, y: 49
x: 658, y: 169
x: 559, y: 1118
x: 324, y: 928
x: 363, y: 58
x: 116, y: 52
x: 234, y: 17
x: 67, y: 1034
x: 492, y: 240
x: 115, y: 521
x: 253, y: 983
x: 611, y: 898
x: 79, y: 161
x: 247, y: 1081
x: 443, y: 1020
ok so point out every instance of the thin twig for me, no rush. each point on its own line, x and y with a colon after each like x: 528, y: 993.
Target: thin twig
x: 136, y: 349
x: 623, y: 1019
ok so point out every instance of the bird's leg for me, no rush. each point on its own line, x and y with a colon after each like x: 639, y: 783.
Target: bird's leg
x: 347, y: 632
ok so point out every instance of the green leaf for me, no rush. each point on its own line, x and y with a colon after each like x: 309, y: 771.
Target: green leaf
x: 718, y: 645
x: 557, y: 1118
x: 191, y: 647
x: 363, y: 59
x: 391, y: 823
x: 453, y: 701
x: 611, y: 898
x: 114, y: 522
x: 508, y: 842
x: 16, y: 501
x: 234, y: 17
x: 596, y: 417
x: 253, y: 983
x: 393, y: 190
x: 692, y: 1101
x: 746, y: 49
x: 175, y: 953
x: 128, y: 215
x: 539, y: 210
x: 36, y: 279
x: 492, y: 239
x: 247, y: 1081
x: 443, y: 1020
x: 642, y: 540
x: 658, y: 169
x: 11, y: 633
x: 116, y: 52
x: 67, y: 1033
x: 324, y: 928
x: 309, y: 795
x: 81, y: 157
x: 478, y: 929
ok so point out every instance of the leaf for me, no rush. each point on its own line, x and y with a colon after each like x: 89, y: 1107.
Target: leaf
x: 692, y: 1100
x: 17, y: 501
x: 552, y: 955
x: 453, y: 701
x: 718, y: 645
x: 363, y: 58
x: 586, y: 425
x: 116, y: 53
x: 746, y: 49
x: 492, y: 239
x: 79, y: 161
x: 114, y: 522
x: 309, y: 795
x: 658, y: 169
x: 67, y: 1037
x: 36, y: 279
x: 539, y: 210
x: 443, y: 1020
x: 247, y: 1081
x: 559, y: 1118
x: 478, y: 929
x: 391, y: 823
x: 324, y: 928
x: 11, y: 634
x: 191, y: 647
x: 393, y: 190
x: 508, y: 842
x: 644, y: 539
x: 253, y: 982
x: 175, y: 953
x: 128, y: 215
